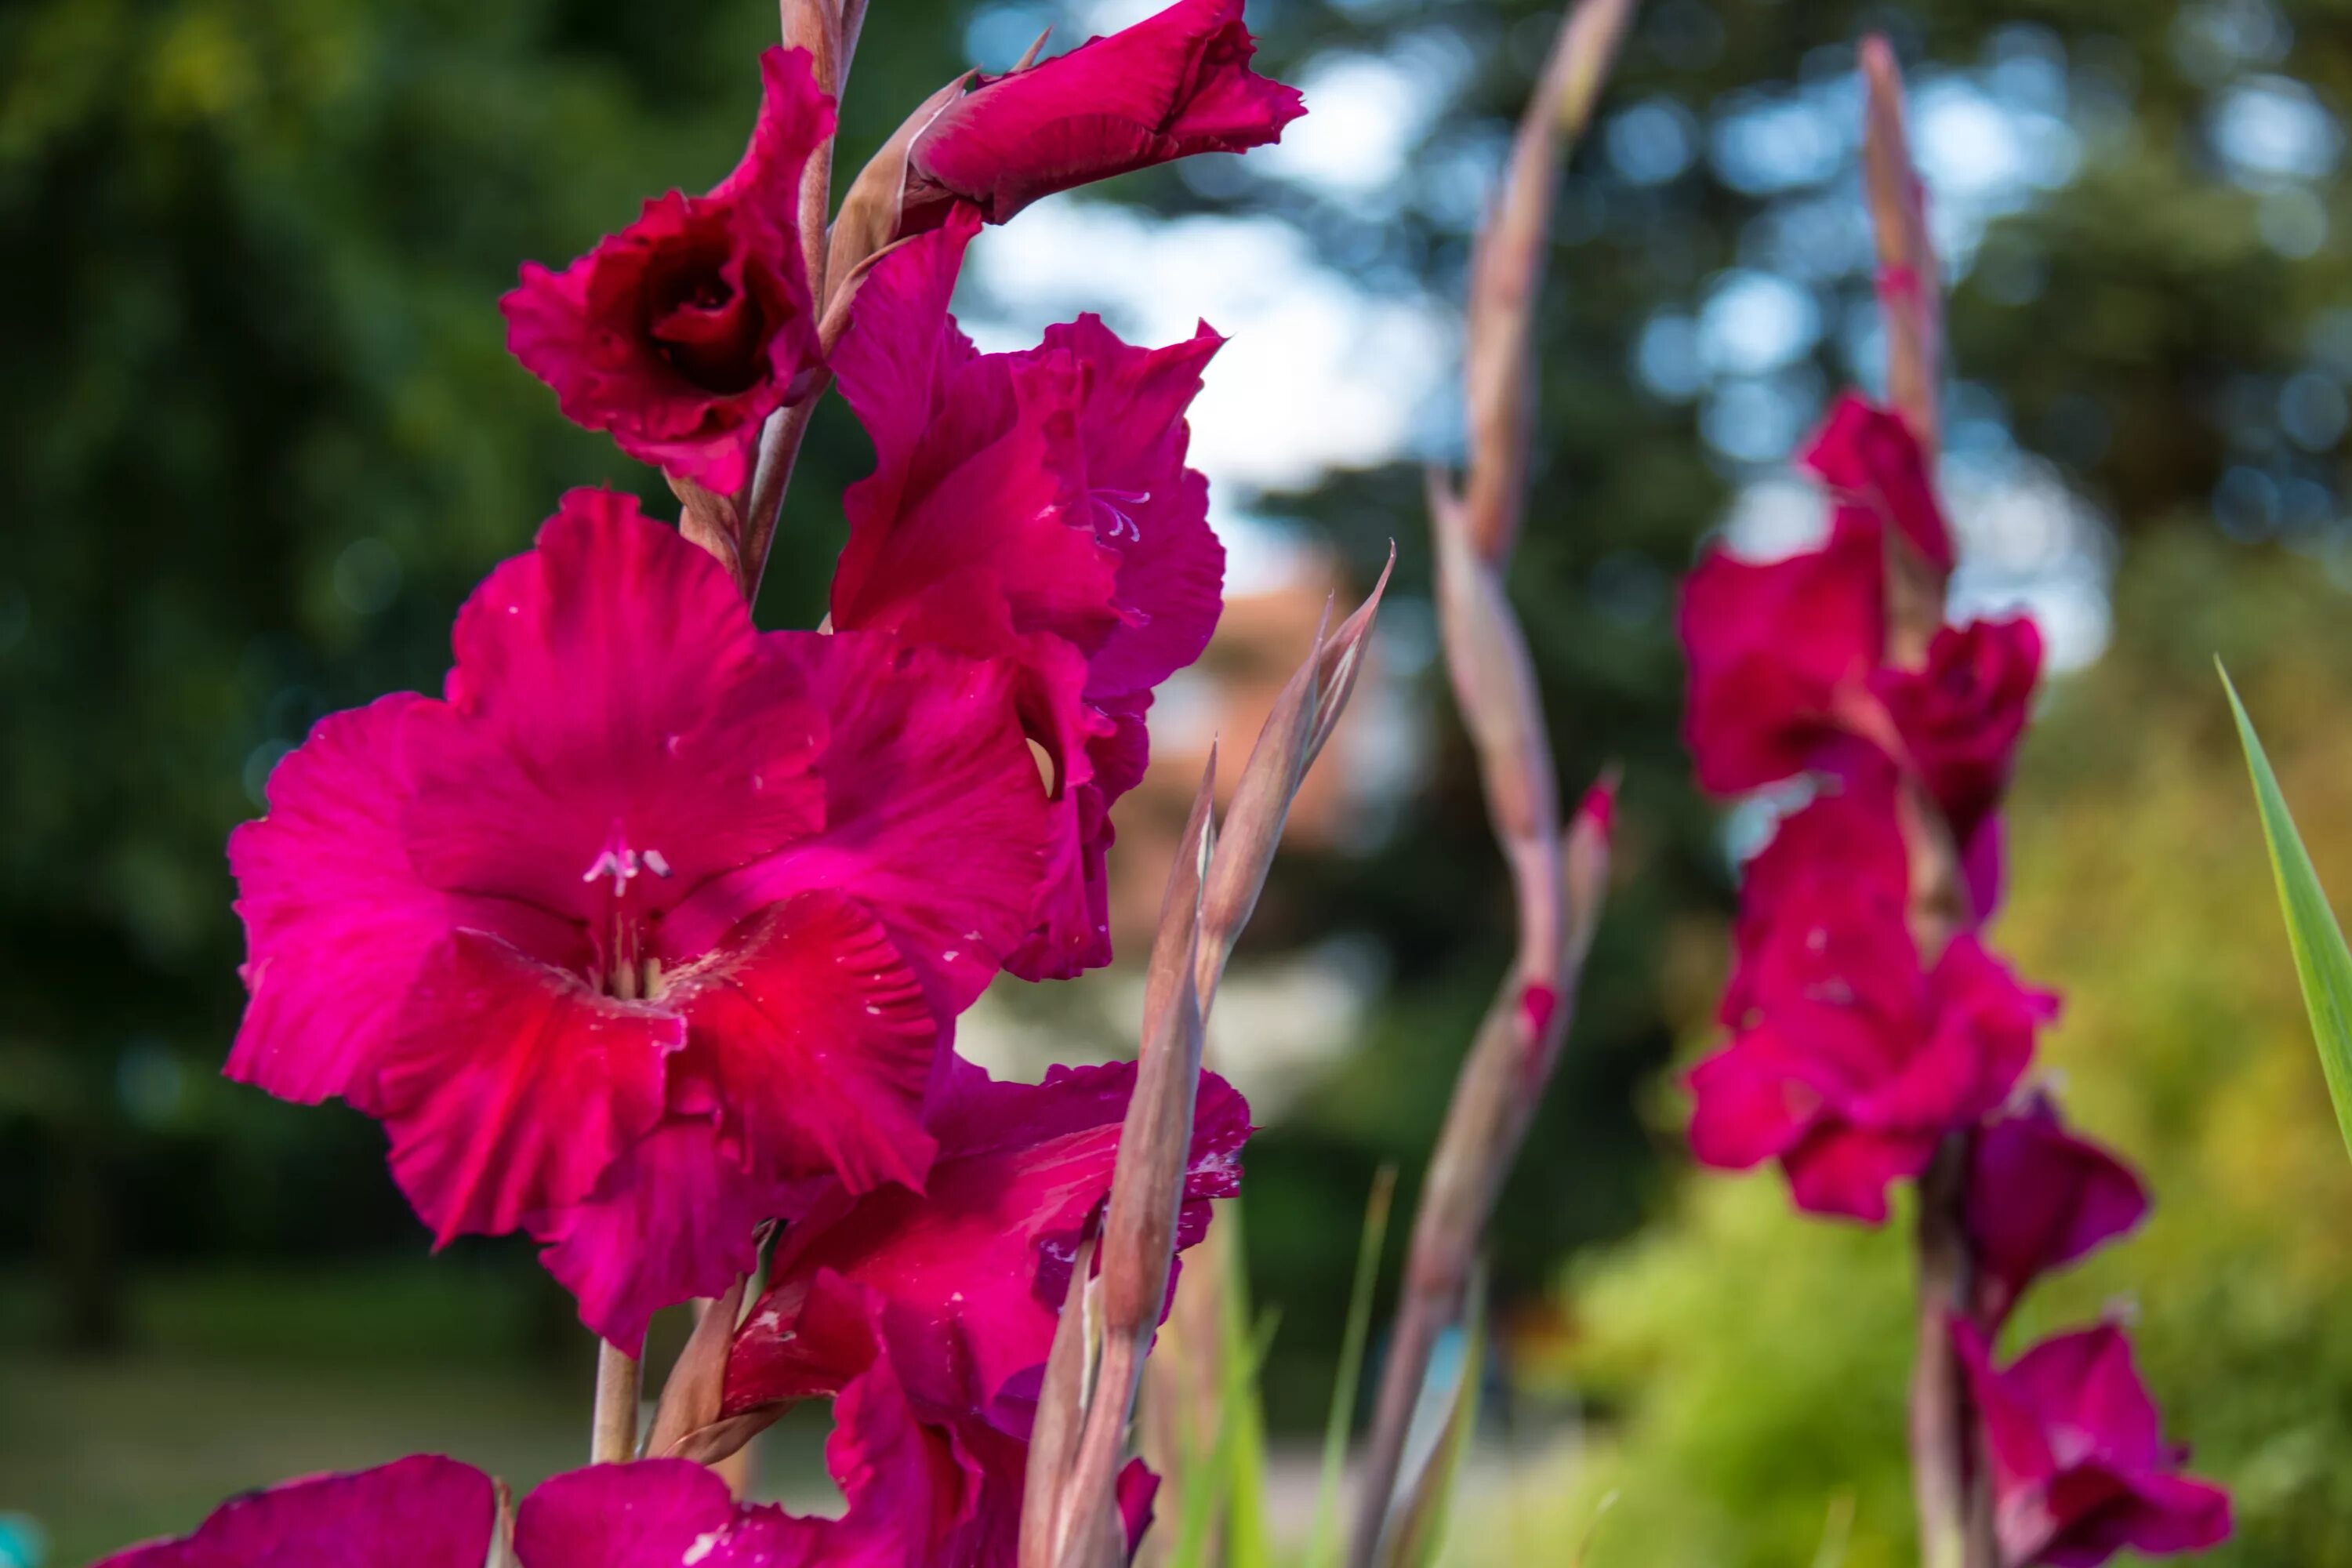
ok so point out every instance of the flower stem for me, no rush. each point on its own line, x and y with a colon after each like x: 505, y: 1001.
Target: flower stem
x: 613, y: 1430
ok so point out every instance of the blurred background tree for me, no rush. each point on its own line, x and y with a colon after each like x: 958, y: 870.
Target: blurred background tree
x: 262, y: 435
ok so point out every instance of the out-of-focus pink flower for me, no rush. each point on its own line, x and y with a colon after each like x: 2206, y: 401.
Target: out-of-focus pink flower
x: 2039, y: 1198
x: 643, y: 920
x: 2079, y: 1467
x: 420, y: 1512
x: 1872, y: 465
x: 967, y: 1278
x: 1846, y: 839
x: 1855, y: 1065
x: 1780, y: 656
x: 1172, y: 85
x: 680, y: 333
x: 1032, y: 507
x: 1960, y: 714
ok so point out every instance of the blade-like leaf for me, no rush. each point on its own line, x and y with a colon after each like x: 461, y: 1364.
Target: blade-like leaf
x: 1324, y: 1543
x: 1247, y: 1542
x: 1208, y: 1475
x: 2321, y: 959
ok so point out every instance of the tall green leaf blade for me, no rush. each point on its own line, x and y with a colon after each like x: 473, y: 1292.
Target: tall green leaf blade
x: 1248, y: 1543
x: 1323, y: 1544
x: 2321, y: 959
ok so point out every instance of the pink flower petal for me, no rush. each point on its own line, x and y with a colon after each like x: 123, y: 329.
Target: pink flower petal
x: 424, y: 1512
x: 1870, y: 460
x: 1173, y: 85
x: 816, y: 1043
x: 659, y: 1511
x: 674, y: 1217
x: 337, y: 928
x: 2039, y: 1198
x: 1773, y: 647
x: 1845, y: 1171
x: 970, y: 1272
x: 924, y: 766
x: 1145, y: 503
x: 612, y: 729
x: 507, y: 1086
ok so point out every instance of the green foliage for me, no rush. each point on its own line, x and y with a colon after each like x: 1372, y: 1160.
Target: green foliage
x: 1745, y: 1365
x: 2321, y: 961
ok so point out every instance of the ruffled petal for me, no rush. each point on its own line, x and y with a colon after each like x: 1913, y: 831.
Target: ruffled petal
x: 676, y: 1217
x: 509, y: 1087
x: 1874, y: 467
x: 815, y: 1042
x: 983, y: 507
x: 338, y: 927
x: 924, y: 767
x: 659, y: 1511
x: 1773, y: 647
x: 424, y: 1512
x: 1844, y: 1170
x: 2040, y: 1197
x: 970, y: 1272
x: 610, y: 725
x: 1144, y: 504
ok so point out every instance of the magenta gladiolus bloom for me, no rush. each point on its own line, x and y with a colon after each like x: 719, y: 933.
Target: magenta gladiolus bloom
x: 1032, y: 507
x: 966, y: 1280
x: 643, y: 920
x: 1872, y: 465
x: 1961, y: 715
x: 680, y: 333
x: 2039, y: 1198
x: 1170, y: 86
x: 1780, y: 656
x: 1855, y: 1065
x: 2079, y: 1467
x: 419, y: 1513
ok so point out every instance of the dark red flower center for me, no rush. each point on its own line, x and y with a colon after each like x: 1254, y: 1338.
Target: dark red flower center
x: 702, y: 322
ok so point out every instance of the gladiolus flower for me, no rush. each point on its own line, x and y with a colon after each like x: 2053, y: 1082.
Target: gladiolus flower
x: 643, y: 920
x: 420, y: 1512
x: 967, y: 1278
x: 2080, y: 1468
x: 1961, y: 715
x: 1170, y: 86
x: 1032, y: 507
x: 1780, y: 656
x: 1855, y: 1065
x: 1874, y: 467
x: 2039, y: 1198
x: 681, y: 333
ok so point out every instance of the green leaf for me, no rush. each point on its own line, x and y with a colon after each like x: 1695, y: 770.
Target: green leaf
x: 1208, y: 1479
x: 2321, y: 959
x: 1239, y: 1357
x: 1323, y: 1544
